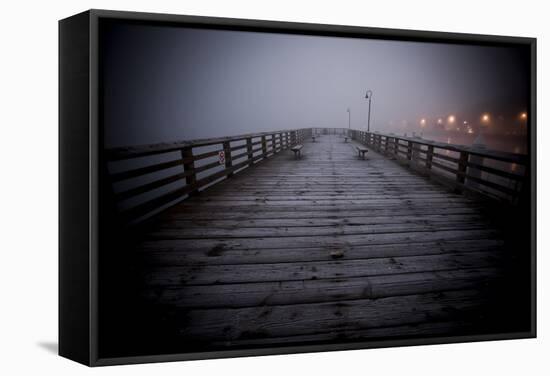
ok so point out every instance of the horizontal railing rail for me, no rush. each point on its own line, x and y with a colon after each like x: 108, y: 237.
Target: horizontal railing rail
x: 146, y: 179
x: 474, y: 169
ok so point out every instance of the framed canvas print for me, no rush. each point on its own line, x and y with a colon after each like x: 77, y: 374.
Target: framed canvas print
x: 237, y: 187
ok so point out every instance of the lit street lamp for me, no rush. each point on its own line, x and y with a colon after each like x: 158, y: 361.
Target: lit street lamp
x: 369, y: 97
x: 523, y: 116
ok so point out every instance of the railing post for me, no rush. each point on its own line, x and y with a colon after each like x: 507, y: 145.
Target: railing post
x: 429, y: 157
x: 461, y: 173
x: 474, y: 172
x: 228, y: 159
x: 415, y: 152
x: 264, y: 147
x: 249, y: 151
x: 396, y: 147
x: 409, y: 150
x: 189, y: 168
x: 273, y: 143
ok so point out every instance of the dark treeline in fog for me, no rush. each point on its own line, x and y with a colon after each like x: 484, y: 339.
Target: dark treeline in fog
x: 166, y: 84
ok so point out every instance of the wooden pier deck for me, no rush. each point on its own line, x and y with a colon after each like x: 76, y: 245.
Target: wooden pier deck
x: 325, y: 248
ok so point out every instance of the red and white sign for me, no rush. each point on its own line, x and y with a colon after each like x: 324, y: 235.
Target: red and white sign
x: 221, y: 157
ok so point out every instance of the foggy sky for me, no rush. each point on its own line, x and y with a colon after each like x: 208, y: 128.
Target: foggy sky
x: 165, y: 83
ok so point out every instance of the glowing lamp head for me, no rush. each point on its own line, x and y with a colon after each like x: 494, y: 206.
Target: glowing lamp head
x: 523, y: 116
x: 485, y: 118
x: 451, y: 119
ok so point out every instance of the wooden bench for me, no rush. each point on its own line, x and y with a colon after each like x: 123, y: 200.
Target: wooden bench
x: 297, y: 149
x: 361, y: 150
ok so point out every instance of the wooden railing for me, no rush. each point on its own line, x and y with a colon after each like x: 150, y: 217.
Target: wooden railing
x: 468, y: 169
x: 149, y: 178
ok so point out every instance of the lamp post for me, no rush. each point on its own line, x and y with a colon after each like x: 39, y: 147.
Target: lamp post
x: 369, y: 97
x: 349, y: 118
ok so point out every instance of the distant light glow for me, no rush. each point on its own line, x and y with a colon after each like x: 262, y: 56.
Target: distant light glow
x: 523, y: 115
x: 451, y: 119
x: 439, y: 121
x: 422, y: 122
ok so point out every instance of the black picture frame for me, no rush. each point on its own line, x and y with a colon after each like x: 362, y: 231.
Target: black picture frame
x: 80, y: 169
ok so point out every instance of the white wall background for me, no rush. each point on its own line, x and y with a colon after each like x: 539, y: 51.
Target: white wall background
x: 28, y: 187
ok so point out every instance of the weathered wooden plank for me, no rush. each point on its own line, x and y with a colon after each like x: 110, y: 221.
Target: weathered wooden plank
x: 344, y: 220
x: 183, y: 232
x: 374, y: 200
x: 193, y: 214
x: 253, y: 197
x: 220, y: 274
x: 189, y: 211
x: 227, y: 256
x: 280, y: 321
x: 433, y: 328
x: 317, y: 291
x: 329, y: 242
x: 330, y: 208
